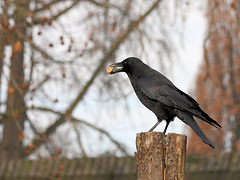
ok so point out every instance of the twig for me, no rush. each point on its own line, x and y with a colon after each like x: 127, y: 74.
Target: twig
x: 79, y: 139
x: 134, y: 24
x: 120, y: 146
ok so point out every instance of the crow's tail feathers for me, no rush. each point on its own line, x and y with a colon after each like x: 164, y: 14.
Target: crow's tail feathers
x: 210, y: 120
x: 189, y: 120
x: 198, y: 112
x: 205, y: 117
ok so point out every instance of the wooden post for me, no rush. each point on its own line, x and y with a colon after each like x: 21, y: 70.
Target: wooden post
x: 150, y: 156
x: 159, y: 157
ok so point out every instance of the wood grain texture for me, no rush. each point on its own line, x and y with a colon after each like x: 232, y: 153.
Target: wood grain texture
x: 175, y: 158
x: 159, y: 157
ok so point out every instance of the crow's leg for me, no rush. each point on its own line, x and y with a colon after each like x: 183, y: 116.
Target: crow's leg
x: 164, y: 132
x: 155, y: 125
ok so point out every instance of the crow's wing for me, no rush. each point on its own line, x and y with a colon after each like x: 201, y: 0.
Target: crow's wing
x: 159, y: 88
x: 165, y: 92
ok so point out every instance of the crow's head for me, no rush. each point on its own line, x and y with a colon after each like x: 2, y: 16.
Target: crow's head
x: 128, y: 65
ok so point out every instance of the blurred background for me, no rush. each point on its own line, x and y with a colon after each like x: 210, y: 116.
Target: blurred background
x: 56, y: 98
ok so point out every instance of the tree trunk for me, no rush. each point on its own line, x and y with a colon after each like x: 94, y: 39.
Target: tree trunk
x: 15, y: 112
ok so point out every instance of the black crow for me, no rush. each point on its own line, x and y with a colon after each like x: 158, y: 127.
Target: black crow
x: 162, y: 97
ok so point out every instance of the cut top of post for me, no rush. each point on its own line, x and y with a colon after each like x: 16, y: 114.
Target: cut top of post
x: 159, y: 157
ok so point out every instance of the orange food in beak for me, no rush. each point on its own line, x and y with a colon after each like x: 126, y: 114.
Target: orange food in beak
x: 109, y: 69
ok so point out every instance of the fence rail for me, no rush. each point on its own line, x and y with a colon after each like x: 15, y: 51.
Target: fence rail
x: 212, y: 166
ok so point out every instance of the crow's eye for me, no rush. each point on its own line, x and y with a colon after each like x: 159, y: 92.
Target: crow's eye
x: 124, y: 63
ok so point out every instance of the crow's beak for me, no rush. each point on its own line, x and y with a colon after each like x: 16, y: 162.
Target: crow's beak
x: 114, y: 68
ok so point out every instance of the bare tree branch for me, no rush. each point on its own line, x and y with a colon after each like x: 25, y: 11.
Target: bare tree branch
x: 131, y: 27
x: 46, y: 110
x: 46, y: 6
x: 79, y: 139
x: 74, y: 121
x: 43, y: 21
x: 102, y: 131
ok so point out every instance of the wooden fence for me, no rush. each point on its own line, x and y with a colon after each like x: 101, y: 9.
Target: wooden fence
x: 221, y: 166
x: 102, y: 168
